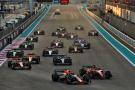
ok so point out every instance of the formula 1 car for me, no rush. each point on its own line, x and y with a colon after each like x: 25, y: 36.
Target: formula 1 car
x: 15, y: 53
x: 75, y: 49
x: 83, y: 43
x: 93, y: 33
x: 71, y: 36
x: 32, y: 38
x: 68, y: 77
x: 27, y: 46
x: 57, y: 44
x: 50, y: 52
x: 62, y: 34
x: 95, y: 73
x: 32, y: 58
x: 57, y: 12
x: 62, y: 60
x: 60, y: 29
x: 79, y: 27
x: 39, y: 32
x: 18, y: 64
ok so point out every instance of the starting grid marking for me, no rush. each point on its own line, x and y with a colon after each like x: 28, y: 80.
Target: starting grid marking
x: 14, y: 45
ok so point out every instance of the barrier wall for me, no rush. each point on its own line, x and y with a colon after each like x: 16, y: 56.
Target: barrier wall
x: 15, y: 33
x: 21, y: 38
x: 122, y: 49
x: 121, y: 35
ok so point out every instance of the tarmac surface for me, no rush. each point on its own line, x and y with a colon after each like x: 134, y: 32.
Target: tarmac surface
x: 100, y: 54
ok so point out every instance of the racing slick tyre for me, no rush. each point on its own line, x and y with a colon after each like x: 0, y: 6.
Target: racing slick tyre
x: 69, y: 80
x: 70, y: 62
x: 9, y: 64
x: 38, y: 61
x: 81, y: 72
x: 29, y: 67
x: 32, y: 47
x: 81, y: 51
x: 13, y: 66
x: 35, y: 33
x: 54, y: 63
x: 88, y: 46
x: 108, y: 75
x: 69, y: 51
x: 53, y: 34
x: 86, y: 79
x: 55, y: 77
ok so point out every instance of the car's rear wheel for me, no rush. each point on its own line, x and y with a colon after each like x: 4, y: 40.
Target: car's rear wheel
x: 29, y: 67
x: 108, y: 75
x: 13, y: 66
x: 55, y: 77
x: 9, y: 64
x: 86, y: 79
x: 38, y: 61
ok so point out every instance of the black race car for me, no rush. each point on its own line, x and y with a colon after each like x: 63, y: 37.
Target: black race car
x: 39, y: 32
x: 32, y: 58
x: 93, y: 33
x: 19, y: 64
x: 95, y: 73
x: 68, y: 77
x: 57, y: 44
x: 62, y: 60
x: 32, y: 38
x: 27, y: 46
x: 60, y: 29
x: 75, y: 49
x: 79, y: 27
x: 62, y: 34
x: 50, y: 52
x: 83, y: 43
x: 15, y: 53
x: 71, y: 36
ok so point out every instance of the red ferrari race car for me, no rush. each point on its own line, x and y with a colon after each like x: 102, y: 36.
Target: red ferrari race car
x: 68, y: 77
x: 95, y: 73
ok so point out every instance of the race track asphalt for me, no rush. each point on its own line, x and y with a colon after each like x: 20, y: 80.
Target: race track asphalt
x: 100, y: 54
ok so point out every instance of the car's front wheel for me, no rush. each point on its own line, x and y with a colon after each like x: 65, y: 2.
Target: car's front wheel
x: 55, y: 77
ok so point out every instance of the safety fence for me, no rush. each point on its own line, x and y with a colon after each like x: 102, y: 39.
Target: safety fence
x: 119, y: 34
x: 116, y: 44
x: 10, y: 35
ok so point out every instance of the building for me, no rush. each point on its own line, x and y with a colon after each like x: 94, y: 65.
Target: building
x: 122, y: 8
